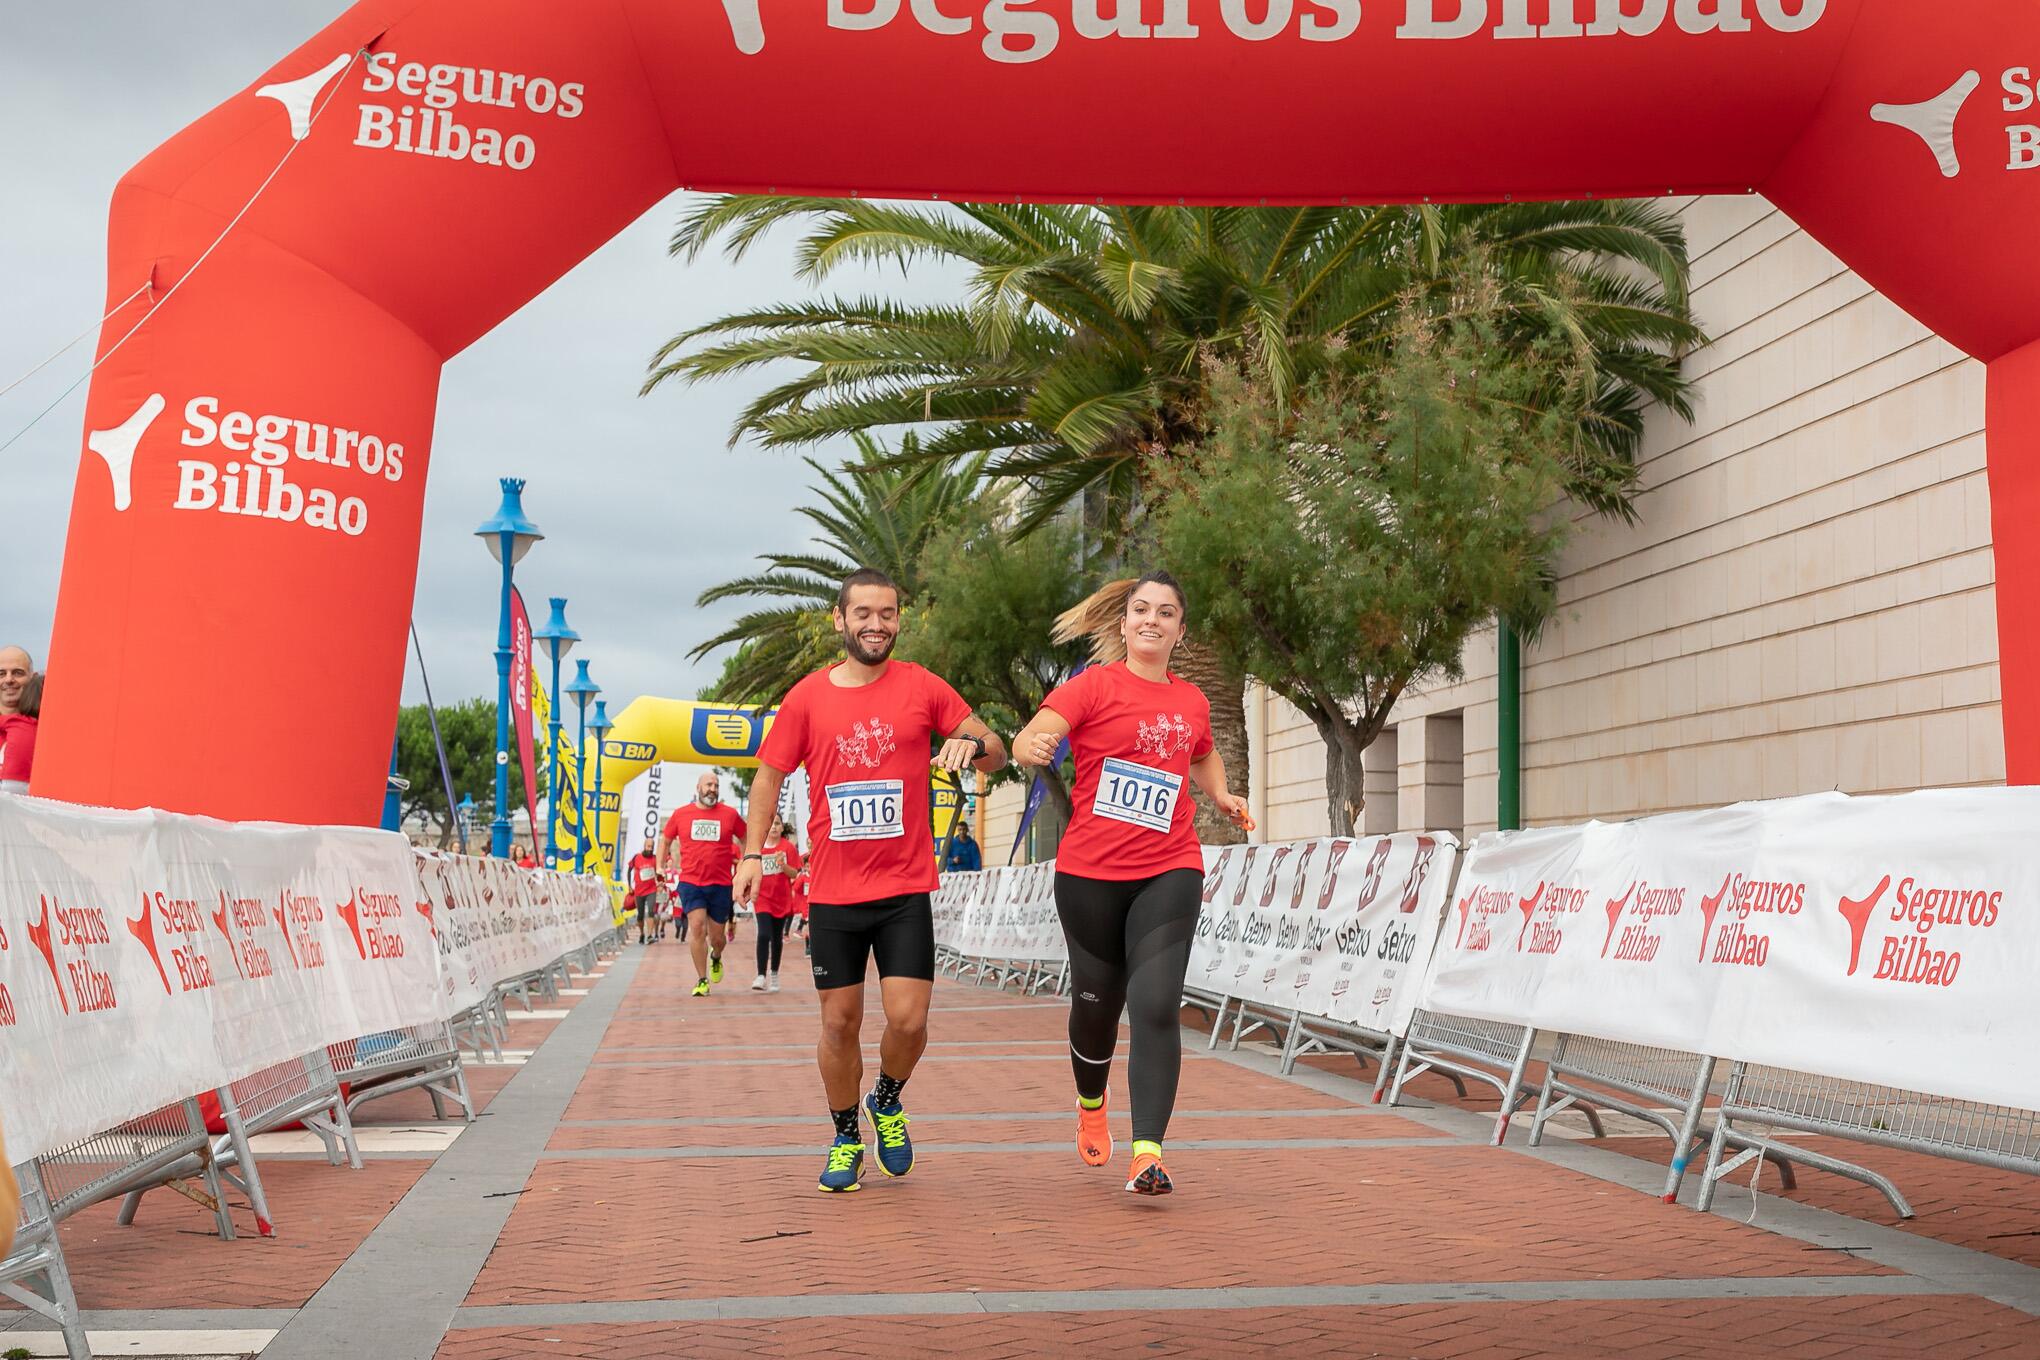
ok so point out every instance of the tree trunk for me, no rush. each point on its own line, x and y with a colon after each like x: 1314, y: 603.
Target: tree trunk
x: 1225, y: 685
x: 1345, y: 772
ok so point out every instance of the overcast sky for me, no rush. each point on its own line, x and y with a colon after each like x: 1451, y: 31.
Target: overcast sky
x: 618, y: 482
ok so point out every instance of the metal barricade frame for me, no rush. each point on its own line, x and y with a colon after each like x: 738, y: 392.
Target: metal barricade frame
x: 160, y: 1148
x: 420, y: 1056
x: 1469, y: 1047
x: 37, y: 1253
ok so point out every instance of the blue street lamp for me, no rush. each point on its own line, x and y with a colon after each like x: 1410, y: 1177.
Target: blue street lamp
x: 557, y: 640
x: 465, y: 819
x: 600, y: 727
x: 509, y: 536
x: 582, y: 688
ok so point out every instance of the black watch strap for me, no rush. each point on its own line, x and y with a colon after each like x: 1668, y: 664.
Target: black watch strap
x: 979, y: 742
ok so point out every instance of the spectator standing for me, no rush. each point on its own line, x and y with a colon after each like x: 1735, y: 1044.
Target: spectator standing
x: 17, y: 731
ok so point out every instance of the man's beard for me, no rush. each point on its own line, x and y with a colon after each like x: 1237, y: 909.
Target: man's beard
x: 708, y: 799
x: 855, y: 648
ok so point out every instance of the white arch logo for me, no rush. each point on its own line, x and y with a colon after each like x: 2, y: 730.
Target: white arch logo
x: 117, y: 446
x: 1933, y: 120
x: 746, y: 26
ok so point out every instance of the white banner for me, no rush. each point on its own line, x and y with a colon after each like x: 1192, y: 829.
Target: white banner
x: 495, y: 921
x: 1002, y: 913
x: 1333, y: 928
x: 145, y: 958
x: 1886, y: 940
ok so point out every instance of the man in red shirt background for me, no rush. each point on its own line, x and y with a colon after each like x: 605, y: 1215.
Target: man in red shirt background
x: 863, y: 729
x: 708, y: 833
x: 642, y: 890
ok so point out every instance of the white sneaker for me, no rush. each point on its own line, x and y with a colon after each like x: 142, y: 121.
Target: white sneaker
x: 775, y: 983
x: 758, y: 983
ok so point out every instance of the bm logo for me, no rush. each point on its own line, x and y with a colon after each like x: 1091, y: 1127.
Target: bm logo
x: 727, y: 731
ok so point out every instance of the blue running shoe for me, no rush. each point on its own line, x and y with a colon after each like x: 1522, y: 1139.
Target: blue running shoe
x: 845, y: 1168
x: 895, y: 1149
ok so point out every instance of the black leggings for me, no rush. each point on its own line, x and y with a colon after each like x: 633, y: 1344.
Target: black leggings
x: 771, y: 935
x: 1129, y: 948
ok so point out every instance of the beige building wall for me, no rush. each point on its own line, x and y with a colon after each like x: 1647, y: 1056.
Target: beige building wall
x: 1804, y: 604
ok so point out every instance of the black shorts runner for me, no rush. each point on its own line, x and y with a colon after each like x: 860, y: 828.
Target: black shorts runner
x: 900, y: 931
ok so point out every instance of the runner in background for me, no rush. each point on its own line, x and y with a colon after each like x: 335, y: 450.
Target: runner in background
x: 775, y: 902
x: 641, y: 878
x: 1129, y: 872
x: 862, y: 729
x: 708, y: 833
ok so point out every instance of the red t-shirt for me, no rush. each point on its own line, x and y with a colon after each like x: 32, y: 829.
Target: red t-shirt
x: 867, y: 756
x: 709, y: 840
x: 17, y: 746
x: 644, y: 874
x: 1134, y: 741
x: 775, y: 890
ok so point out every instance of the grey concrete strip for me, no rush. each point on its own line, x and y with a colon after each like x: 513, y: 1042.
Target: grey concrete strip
x: 395, y: 1296
x: 870, y: 1046
x: 1061, y: 1059
x: 1177, y: 1300
x: 158, y: 1320
x: 720, y: 1121
x: 820, y: 1145
x: 1942, y: 1265
x: 711, y: 1011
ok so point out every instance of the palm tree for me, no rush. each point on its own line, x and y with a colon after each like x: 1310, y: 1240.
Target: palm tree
x: 873, y: 513
x: 1082, y: 352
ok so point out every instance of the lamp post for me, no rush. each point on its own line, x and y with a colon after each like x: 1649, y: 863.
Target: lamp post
x: 583, y: 688
x: 464, y: 819
x: 509, y: 536
x: 600, y: 727
x: 557, y: 639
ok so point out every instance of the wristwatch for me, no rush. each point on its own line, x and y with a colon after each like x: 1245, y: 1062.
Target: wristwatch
x: 759, y: 858
x: 978, y: 742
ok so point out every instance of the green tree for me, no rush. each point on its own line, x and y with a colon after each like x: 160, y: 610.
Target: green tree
x: 1077, y: 364
x: 987, y: 616
x: 872, y: 514
x: 469, y: 731
x: 1344, y: 546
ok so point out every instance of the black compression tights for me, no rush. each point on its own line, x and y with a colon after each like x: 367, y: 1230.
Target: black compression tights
x: 771, y: 937
x: 1129, y: 947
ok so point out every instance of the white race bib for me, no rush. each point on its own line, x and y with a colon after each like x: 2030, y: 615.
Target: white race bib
x: 707, y: 829
x: 1138, y: 795
x: 867, y: 810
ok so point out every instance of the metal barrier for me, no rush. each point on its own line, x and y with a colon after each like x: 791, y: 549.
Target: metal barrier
x: 165, y: 1148
x: 37, y: 1255
x: 1987, y: 1135
x: 1486, y: 1051
x: 378, y: 1065
x: 1309, y: 1034
x: 301, y: 1091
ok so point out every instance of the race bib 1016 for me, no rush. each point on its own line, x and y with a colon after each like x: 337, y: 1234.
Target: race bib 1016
x: 1138, y: 795
x: 867, y: 810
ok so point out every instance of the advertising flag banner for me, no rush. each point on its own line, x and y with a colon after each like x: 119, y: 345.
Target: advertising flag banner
x: 1884, y: 940
x: 523, y: 680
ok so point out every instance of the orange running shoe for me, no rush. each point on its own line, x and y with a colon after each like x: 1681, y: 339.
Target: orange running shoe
x: 1094, y: 1136
x: 1149, y: 1176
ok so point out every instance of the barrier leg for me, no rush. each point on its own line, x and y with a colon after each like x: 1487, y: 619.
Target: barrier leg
x: 1544, y: 1105
x: 1218, y: 1021
x: 1510, y: 1093
x: 1719, y: 1142
x: 1389, y: 1053
x: 1289, y: 1042
x: 249, y: 1178
x: 1689, y: 1130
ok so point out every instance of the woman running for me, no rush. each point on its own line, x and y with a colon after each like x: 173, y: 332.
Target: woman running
x: 775, y: 902
x: 1129, y: 873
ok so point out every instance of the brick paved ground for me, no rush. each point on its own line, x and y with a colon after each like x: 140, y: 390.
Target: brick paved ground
x: 644, y: 1186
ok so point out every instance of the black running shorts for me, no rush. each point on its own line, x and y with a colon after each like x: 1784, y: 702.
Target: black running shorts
x: 899, y: 931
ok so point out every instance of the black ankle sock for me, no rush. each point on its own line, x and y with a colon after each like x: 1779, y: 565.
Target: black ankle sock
x: 846, y: 1124
x: 886, y: 1093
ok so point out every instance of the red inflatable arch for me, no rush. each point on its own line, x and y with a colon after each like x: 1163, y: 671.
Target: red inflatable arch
x: 249, y: 496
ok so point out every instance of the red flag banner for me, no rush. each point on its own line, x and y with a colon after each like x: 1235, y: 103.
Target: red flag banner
x: 520, y: 703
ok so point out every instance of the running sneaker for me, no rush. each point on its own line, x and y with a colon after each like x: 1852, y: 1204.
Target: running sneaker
x: 715, y: 968
x: 845, y: 1168
x: 1150, y: 1177
x: 1094, y: 1136
x: 758, y: 983
x: 701, y: 987
x: 775, y: 983
x: 895, y: 1149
